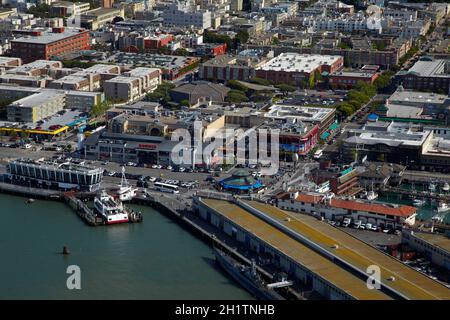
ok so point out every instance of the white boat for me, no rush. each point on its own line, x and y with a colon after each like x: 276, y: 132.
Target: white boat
x: 418, y: 202
x: 432, y: 187
x: 110, y: 209
x: 369, y: 195
x: 126, y: 192
x: 442, y: 207
x: 446, y: 187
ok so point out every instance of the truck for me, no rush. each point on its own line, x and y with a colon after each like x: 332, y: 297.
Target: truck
x: 346, y: 222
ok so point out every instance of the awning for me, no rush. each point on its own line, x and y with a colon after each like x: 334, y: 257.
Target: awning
x: 334, y: 126
x: 325, y: 135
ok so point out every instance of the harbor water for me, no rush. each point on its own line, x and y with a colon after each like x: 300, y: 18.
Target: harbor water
x: 156, y: 259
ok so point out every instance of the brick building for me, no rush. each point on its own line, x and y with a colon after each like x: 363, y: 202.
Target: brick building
x: 43, y: 45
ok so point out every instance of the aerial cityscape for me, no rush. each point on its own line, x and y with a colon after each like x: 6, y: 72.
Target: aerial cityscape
x: 225, y: 150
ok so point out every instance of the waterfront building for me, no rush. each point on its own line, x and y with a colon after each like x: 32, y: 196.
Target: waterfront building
x: 383, y: 215
x: 314, y: 252
x: 433, y: 247
x: 54, y: 174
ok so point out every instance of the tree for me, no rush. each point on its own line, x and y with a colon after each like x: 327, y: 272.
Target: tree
x: 185, y: 103
x: 285, y: 88
x: 236, y: 96
x: 312, y: 81
x: 234, y: 84
x: 260, y: 81
x: 100, y: 109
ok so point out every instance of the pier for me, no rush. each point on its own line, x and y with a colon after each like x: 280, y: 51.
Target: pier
x: 183, y: 214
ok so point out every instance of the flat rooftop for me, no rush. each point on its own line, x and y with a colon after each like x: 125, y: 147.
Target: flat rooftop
x: 296, y: 62
x: 426, y: 68
x: 48, y: 36
x: 417, y: 97
x: 408, y: 281
x: 306, y: 114
x: 311, y: 260
x: 37, y: 99
x: 436, y: 240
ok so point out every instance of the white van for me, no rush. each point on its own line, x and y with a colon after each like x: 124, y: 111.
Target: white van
x: 318, y: 154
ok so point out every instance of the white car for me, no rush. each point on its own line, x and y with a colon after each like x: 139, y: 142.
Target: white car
x: 152, y: 179
x: 159, y: 166
x: 112, y: 173
x: 154, y: 166
x: 182, y: 169
x: 169, y: 168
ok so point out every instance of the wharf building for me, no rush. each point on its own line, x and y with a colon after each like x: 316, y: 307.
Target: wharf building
x: 434, y: 247
x: 383, y: 215
x: 321, y: 257
x: 63, y: 175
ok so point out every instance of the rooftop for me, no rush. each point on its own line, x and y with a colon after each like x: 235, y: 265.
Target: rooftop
x: 408, y: 281
x: 48, y: 36
x: 436, y: 240
x: 295, y: 62
x: 305, y: 256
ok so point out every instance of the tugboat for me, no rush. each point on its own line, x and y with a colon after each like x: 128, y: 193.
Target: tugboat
x: 109, y: 209
x: 247, y: 276
x: 126, y: 192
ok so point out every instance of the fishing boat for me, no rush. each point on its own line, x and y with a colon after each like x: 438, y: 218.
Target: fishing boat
x: 125, y: 192
x: 432, y: 187
x: 442, y: 207
x: 418, y: 202
x: 111, y: 210
x: 446, y: 187
x: 369, y: 195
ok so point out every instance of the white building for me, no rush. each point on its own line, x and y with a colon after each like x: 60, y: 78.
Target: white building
x: 337, y: 209
x: 185, y: 14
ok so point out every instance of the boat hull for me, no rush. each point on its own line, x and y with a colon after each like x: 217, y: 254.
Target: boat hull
x: 258, y: 291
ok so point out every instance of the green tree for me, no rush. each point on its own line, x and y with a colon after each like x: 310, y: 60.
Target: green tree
x: 260, y: 81
x: 285, y: 88
x: 236, y: 96
x: 234, y: 84
x: 185, y: 103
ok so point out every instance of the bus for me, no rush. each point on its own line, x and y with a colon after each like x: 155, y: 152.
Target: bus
x: 165, y: 187
x: 318, y: 154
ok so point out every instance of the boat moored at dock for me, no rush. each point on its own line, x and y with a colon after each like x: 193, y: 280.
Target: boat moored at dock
x: 111, y: 210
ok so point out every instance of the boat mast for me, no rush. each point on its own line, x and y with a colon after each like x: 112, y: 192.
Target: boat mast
x: 123, y: 181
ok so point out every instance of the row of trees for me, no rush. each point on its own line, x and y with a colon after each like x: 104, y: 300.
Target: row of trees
x: 212, y: 37
x: 357, y: 97
x: 161, y: 93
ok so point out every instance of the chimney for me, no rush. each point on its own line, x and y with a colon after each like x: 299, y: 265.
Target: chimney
x: 58, y: 29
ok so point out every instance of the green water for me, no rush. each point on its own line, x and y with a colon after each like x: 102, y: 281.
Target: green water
x: 424, y: 212
x: 156, y: 259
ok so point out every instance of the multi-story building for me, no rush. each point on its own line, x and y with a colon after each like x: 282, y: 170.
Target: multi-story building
x: 426, y: 74
x: 69, y: 9
x: 83, y: 100
x: 348, y: 79
x: 298, y: 69
x: 227, y: 67
x: 96, y: 18
x: 185, y: 14
x: 132, y: 84
x: 36, y: 107
x: 47, y: 44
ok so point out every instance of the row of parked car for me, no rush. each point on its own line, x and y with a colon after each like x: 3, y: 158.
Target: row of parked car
x: 359, y: 224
